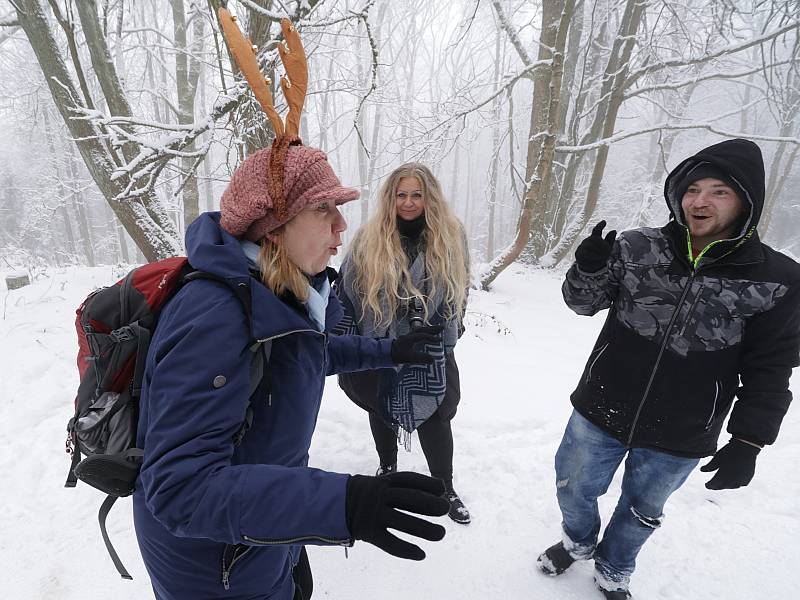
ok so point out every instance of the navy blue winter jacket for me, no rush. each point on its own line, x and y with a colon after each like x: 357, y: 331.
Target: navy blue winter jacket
x: 215, y: 520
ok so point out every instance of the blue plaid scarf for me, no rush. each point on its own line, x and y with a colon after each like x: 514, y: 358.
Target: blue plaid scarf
x: 408, y: 394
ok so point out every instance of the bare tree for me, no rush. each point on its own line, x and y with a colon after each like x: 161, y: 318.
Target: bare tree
x: 144, y: 218
x: 556, y: 16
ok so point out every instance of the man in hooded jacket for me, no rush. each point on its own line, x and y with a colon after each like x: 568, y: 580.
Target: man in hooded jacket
x: 703, y: 320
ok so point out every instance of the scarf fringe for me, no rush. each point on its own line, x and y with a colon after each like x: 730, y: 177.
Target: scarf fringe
x: 403, y: 437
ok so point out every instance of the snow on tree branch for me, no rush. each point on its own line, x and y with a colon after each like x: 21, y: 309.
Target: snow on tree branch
x: 694, y: 80
x: 141, y: 172
x: 668, y: 64
x: 511, y: 33
x: 673, y: 127
x: 270, y: 14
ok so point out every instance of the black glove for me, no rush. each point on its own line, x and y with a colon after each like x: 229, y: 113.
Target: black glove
x: 403, y: 346
x: 736, y: 462
x: 593, y: 252
x: 374, y: 503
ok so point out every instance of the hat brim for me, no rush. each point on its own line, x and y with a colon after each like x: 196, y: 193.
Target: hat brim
x: 339, y: 195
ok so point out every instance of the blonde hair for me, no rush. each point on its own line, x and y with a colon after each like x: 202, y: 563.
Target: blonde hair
x: 380, y: 265
x: 279, y: 273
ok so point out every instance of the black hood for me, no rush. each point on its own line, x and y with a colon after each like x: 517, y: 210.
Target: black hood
x: 740, y: 160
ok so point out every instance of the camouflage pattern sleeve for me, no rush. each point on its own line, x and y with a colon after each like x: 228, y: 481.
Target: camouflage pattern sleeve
x: 770, y: 350
x: 589, y: 293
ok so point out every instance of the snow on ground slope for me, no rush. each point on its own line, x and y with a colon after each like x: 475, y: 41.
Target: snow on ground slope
x: 519, y: 359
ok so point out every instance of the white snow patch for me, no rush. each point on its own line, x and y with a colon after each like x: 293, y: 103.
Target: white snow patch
x: 520, y: 359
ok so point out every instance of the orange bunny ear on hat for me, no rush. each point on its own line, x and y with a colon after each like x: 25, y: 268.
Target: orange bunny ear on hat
x: 295, y: 86
x: 244, y: 54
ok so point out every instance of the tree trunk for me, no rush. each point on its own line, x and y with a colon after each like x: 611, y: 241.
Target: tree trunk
x: 556, y: 16
x: 155, y: 236
x: 775, y: 182
x: 63, y: 202
x: 187, y: 73
x: 361, y: 151
x: 455, y: 179
x: 613, y: 89
x: 574, y: 162
x: 493, y: 175
x: 208, y: 188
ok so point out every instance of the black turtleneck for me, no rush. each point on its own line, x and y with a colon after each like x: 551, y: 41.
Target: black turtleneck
x: 411, y: 229
x: 411, y: 235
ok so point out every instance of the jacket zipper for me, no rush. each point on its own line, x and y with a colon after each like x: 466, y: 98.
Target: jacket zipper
x: 297, y: 540
x: 282, y: 542
x: 226, y: 570
x: 717, y: 389
x: 596, y: 358
x: 667, y: 334
x: 691, y: 310
x: 285, y: 333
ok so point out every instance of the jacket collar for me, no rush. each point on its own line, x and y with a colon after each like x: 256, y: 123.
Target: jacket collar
x: 745, y: 251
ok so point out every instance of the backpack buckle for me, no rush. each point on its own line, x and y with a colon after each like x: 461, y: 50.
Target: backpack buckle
x: 123, y: 334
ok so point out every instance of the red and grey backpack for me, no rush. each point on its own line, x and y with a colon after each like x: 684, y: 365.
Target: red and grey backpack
x: 115, y: 325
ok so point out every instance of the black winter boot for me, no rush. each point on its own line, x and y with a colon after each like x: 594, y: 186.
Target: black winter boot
x: 458, y: 512
x: 616, y: 594
x: 386, y: 469
x: 555, y: 560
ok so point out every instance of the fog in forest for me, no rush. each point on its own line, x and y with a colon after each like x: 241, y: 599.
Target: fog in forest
x: 121, y: 120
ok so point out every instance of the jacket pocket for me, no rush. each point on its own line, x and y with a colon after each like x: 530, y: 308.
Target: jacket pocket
x: 232, y: 554
x: 717, y: 394
x: 593, y: 358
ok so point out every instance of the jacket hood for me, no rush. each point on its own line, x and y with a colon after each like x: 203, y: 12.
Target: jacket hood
x: 740, y: 160
x: 212, y: 249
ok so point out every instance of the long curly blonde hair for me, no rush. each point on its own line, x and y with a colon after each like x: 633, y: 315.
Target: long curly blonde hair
x: 380, y: 265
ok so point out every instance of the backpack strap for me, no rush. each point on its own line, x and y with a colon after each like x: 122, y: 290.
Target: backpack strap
x: 101, y: 516
x: 134, y: 455
x: 261, y: 350
x: 72, y: 446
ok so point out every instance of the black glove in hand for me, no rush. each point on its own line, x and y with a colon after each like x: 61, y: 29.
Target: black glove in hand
x: 403, y: 347
x: 593, y: 252
x: 374, y: 503
x: 735, y: 464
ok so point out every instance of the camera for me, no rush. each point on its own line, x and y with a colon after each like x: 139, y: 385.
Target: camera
x: 417, y: 318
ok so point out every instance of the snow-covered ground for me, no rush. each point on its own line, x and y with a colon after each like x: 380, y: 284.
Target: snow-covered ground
x: 519, y: 360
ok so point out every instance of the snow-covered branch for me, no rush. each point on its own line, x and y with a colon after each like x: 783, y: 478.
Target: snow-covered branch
x: 270, y: 14
x: 504, y: 87
x: 353, y: 14
x: 693, y: 80
x: 140, y: 173
x: 728, y: 50
x: 511, y: 32
x: 673, y: 127
x: 373, y: 46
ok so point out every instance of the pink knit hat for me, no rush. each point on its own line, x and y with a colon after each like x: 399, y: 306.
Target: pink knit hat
x: 249, y: 209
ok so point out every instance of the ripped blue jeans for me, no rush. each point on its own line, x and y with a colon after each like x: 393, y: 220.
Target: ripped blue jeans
x: 586, y: 462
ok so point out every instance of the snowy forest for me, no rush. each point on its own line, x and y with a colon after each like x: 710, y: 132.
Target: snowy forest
x: 122, y: 120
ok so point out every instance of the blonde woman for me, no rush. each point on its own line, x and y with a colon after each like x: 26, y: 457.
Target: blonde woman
x: 408, y: 268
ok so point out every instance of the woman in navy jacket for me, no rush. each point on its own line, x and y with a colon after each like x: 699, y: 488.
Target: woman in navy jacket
x: 216, y: 518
